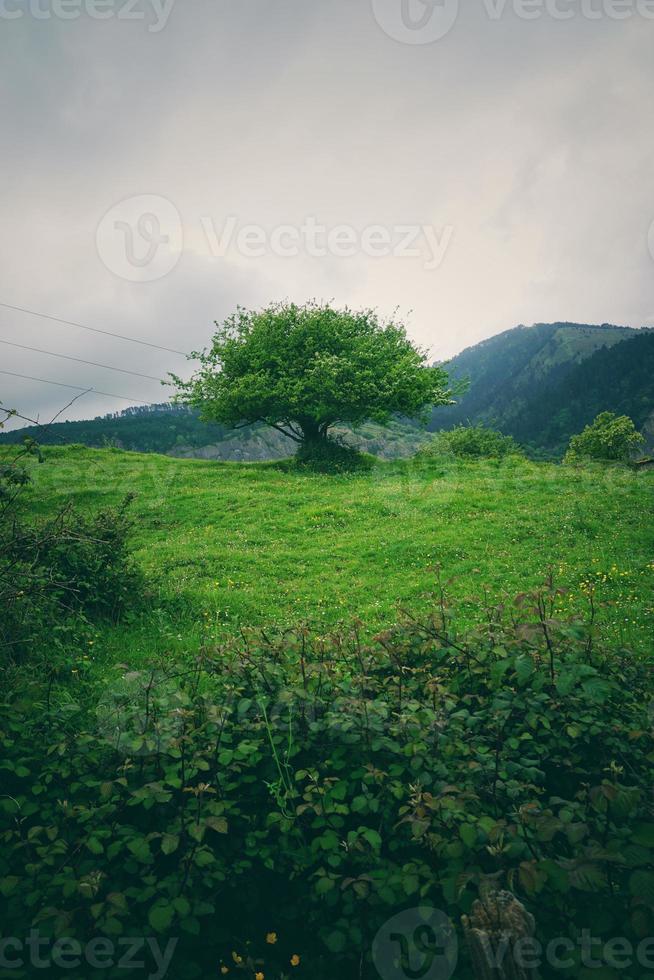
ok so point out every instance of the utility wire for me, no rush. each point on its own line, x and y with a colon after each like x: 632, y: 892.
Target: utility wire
x: 59, y: 384
x: 67, y: 357
x: 83, y: 326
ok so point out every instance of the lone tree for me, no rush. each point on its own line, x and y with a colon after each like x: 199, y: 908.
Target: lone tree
x: 303, y: 369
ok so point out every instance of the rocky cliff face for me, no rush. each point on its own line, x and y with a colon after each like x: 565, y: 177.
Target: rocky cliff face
x: 248, y: 449
x: 395, y: 442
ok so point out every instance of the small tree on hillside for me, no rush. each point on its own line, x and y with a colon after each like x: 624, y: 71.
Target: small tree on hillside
x: 609, y: 437
x: 474, y: 441
x: 304, y: 369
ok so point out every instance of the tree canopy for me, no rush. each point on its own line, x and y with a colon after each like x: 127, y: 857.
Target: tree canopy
x: 304, y: 369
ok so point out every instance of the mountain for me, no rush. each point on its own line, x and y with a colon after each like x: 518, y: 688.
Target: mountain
x: 617, y: 379
x: 543, y: 383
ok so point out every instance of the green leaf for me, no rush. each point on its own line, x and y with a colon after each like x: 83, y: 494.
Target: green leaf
x: 566, y: 681
x: 557, y: 877
x: 182, y: 906
x: 160, y: 916
x: 204, y: 857
x: 597, y: 689
x: 373, y: 837
x: 588, y: 877
x: 524, y: 668
x: 118, y: 900
x: 411, y: 884
x: 140, y: 849
x: 219, y: 824
x: 169, y: 843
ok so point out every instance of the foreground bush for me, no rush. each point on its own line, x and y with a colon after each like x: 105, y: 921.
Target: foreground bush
x: 268, y: 808
x: 472, y: 441
x: 59, y: 573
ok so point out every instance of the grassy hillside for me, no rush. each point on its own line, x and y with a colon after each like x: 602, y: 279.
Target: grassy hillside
x: 263, y: 801
x: 229, y: 545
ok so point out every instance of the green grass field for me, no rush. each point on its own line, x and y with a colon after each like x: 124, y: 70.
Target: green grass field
x: 312, y: 787
x: 228, y: 545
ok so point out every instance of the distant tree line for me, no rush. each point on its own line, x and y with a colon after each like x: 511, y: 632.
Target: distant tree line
x: 148, y: 429
x: 543, y: 384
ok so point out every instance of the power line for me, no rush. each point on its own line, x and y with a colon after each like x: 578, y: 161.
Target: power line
x: 84, y: 326
x: 67, y: 357
x: 59, y: 384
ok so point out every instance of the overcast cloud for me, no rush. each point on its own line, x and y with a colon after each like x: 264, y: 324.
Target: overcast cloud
x: 512, y: 158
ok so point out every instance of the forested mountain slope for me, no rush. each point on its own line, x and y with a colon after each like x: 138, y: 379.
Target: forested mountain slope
x: 543, y: 383
x: 618, y: 379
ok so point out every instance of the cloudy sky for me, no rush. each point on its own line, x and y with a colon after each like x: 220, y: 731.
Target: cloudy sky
x: 165, y: 160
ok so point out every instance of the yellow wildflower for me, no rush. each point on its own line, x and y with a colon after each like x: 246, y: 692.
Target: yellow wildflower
x: 295, y: 960
x: 237, y: 958
x: 258, y: 976
x: 271, y: 938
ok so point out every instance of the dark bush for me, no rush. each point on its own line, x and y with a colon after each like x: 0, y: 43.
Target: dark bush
x: 91, y: 555
x: 331, y: 456
x: 59, y: 572
x: 313, y: 788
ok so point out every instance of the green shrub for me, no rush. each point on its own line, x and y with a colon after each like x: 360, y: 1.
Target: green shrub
x: 91, y: 556
x: 610, y: 438
x: 313, y: 787
x: 59, y: 573
x: 472, y: 441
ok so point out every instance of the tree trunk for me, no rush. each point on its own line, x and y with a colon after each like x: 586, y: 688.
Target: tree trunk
x: 314, y: 435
